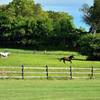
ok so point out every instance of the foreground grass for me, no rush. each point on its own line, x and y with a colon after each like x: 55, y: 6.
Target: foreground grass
x: 38, y: 58
x: 49, y: 90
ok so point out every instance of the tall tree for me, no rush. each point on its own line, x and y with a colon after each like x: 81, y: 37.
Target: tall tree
x: 97, y: 14
x: 5, y: 26
x: 21, y: 8
x: 62, y: 22
x: 92, y: 15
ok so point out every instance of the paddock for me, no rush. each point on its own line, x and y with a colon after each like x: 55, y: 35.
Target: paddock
x: 46, y: 78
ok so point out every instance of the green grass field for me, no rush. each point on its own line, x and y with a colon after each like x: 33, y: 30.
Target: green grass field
x: 49, y: 89
x: 37, y: 89
x: 38, y: 58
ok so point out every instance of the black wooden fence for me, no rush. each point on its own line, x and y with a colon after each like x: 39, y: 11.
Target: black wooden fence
x: 49, y: 72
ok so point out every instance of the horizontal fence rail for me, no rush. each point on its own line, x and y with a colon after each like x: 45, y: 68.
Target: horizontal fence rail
x: 49, y: 72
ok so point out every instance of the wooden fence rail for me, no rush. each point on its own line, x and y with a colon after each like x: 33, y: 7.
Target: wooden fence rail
x: 49, y: 72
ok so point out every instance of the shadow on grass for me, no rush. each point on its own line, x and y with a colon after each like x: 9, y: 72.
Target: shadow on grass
x: 85, y: 59
x: 79, y: 59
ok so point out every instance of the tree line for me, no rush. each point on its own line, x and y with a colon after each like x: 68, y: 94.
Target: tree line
x: 24, y: 24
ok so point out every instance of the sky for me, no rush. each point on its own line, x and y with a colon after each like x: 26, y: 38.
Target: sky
x: 70, y: 6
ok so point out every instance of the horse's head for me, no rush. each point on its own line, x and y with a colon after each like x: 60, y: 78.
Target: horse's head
x: 71, y: 56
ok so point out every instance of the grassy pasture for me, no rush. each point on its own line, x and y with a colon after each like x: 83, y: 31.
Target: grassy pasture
x: 11, y: 89
x: 39, y: 58
x: 49, y: 89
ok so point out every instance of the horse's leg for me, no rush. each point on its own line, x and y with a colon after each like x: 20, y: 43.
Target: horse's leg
x: 63, y: 61
x: 70, y: 61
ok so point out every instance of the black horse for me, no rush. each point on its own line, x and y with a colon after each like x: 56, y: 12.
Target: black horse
x: 69, y: 58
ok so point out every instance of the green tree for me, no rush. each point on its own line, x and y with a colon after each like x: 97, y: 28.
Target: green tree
x: 23, y: 8
x: 62, y: 22
x: 92, y: 16
x: 5, y: 25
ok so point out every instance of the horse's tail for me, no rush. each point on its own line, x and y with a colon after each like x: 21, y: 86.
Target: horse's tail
x: 61, y: 59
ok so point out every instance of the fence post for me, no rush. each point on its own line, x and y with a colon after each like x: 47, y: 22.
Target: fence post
x: 22, y: 71
x: 67, y: 72
x: 46, y: 72
x: 91, y: 76
x: 70, y: 72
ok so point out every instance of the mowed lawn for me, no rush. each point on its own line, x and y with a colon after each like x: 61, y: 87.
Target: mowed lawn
x: 49, y: 89
x: 37, y: 89
x: 40, y: 59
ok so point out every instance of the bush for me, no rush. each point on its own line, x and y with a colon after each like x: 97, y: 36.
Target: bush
x: 90, y: 46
